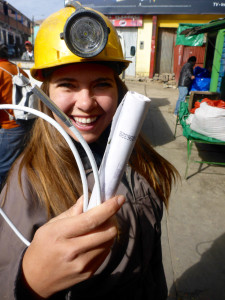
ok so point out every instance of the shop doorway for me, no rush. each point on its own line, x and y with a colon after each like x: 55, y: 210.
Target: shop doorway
x: 165, y: 50
x: 128, y: 38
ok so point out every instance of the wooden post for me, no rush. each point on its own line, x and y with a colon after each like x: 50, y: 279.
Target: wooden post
x: 153, y: 45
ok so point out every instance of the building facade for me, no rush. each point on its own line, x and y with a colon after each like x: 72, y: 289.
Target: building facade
x: 148, y: 30
x: 162, y: 54
x: 15, y: 29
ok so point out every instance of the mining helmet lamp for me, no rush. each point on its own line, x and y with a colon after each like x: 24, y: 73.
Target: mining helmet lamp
x: 85, y: 32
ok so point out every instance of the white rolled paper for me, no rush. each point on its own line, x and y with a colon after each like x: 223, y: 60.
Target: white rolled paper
x: 125, y: 129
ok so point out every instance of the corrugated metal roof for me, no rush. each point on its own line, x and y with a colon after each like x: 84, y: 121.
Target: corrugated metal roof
x: 209, y: 27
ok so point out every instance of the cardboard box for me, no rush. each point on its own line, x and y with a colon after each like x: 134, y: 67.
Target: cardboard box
x: 198, y: 95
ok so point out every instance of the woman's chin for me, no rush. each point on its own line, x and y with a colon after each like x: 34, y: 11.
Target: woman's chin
x: 89, y: 138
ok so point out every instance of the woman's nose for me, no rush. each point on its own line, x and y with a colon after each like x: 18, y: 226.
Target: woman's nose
x: 85, y: 101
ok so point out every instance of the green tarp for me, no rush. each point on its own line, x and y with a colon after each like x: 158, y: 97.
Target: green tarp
x: 194, y: 40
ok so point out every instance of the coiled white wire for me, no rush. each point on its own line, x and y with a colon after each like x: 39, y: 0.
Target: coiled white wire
x: 75, y: 153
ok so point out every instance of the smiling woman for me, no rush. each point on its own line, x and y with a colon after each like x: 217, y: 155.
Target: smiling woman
x: 112, y: 251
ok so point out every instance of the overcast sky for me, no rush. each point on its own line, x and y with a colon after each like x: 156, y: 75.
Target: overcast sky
x: 40, y: 9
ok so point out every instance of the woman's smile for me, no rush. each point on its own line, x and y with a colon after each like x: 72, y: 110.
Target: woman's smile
x: 84, y: 123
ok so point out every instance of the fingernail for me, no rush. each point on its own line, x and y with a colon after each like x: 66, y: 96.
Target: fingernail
x: 120, y: 200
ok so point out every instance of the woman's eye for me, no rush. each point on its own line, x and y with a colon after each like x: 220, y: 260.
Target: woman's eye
x: 67, y: 85
x: 103, y: 84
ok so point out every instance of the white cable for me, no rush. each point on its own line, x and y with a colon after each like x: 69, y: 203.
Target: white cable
x: 20, y: 236
x: 94, y: 167
x: 71, y: 145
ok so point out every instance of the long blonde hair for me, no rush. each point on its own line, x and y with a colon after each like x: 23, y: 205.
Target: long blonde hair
x: 53, y: 172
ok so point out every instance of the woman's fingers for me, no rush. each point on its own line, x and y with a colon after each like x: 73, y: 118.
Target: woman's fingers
x: 75, y: 225
x: 105, y: 233
x: 76, y: 209
x: 96, y: 216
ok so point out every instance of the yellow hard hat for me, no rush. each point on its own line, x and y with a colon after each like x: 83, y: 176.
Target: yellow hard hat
x: 55, y: 44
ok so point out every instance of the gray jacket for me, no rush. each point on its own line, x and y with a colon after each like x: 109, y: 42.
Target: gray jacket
x: 26, y: 56
x: 133, y: 269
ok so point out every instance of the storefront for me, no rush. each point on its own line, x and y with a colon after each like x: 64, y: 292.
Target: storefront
x: 127, y: 28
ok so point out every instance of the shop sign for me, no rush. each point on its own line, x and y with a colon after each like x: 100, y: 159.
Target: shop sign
x: 126, y: 21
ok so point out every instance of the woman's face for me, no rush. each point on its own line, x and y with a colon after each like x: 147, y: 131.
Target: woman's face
x: 87, y: 94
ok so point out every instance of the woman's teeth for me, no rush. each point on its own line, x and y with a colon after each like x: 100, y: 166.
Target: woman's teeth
x: 85, y: 120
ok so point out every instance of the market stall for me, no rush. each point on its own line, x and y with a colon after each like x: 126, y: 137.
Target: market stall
x: 193, y: 136
x: 215, y: 59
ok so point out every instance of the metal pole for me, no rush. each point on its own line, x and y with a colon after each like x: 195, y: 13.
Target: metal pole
x: 32, y: 30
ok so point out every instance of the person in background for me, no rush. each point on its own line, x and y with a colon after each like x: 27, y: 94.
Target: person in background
x: 29, y: 53
x: 112, y: 251
x: 12, y: 135
x: 185, y: 80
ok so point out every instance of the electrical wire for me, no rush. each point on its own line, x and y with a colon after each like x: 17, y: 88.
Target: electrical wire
x: 13, y: 227
x: 73, y: 149
x: 94, y: 168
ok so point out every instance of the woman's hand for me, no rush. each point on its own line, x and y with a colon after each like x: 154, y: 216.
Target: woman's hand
x: 70, y: 248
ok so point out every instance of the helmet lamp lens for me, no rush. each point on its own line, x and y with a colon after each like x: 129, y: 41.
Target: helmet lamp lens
x: 86, y: 34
